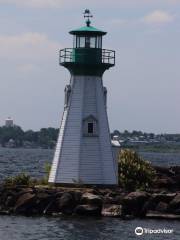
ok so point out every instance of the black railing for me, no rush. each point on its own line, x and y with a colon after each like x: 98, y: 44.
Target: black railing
x: 67, y: 55
x: 108, y: 56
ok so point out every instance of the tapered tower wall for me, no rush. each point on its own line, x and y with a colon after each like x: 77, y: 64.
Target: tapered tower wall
x: 79, y: 157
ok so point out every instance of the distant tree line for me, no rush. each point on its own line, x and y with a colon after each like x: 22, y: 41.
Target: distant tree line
x: 45, y: 138
x: 127, y: 134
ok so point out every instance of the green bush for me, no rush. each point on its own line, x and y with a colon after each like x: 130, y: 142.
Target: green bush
x: 44, y: 180
x: 134, y: 172
x: 21, y: 179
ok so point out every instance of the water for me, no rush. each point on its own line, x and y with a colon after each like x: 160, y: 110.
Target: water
x: 162, y: 159
x: 32, y: 161
x: 40, y: 228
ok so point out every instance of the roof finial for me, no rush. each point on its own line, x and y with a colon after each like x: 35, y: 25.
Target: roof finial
x: 88, y: 15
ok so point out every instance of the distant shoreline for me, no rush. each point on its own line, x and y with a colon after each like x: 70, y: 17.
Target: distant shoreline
x: 159, y: 148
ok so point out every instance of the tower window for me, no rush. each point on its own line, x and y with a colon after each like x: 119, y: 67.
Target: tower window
x: 87, y: 42
x: 90, y: 128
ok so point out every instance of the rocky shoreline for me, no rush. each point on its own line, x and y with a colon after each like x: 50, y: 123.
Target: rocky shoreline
x: 160, y: 202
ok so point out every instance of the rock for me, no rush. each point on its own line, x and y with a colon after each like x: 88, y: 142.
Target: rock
x: 24, y: 203
x: 157, y: 215
x: 111, y: 210
x: 175, y: 203
x: 175, y: 169
x: 149, y: 205
x: 164, y: 182
x: 162, y: 207
x: 66, y: 203
x: 94, y: 191
x: 108, y: 200
x: 8, y: 197
x: 176, y: 178
x: 42, y: 201
x: 164, y: 197
x: 10, y: 201
x: 89, y: 198
x: 133, y: 203
x: 76, y: 197
x: 51, y: 208
x: 5, y: 212
x: 88, y: 210
x: 157, y: 198
x: 25, y: 190
x: 162, y: 170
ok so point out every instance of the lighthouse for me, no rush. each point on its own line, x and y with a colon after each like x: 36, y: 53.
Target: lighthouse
x: 83, y: 153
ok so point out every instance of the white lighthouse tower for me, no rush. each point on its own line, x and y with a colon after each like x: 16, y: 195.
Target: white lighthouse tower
x: 83, y: 153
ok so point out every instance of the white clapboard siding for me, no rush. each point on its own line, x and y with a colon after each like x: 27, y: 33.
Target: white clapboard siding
x: 80, y: 158
x: 58, y: 149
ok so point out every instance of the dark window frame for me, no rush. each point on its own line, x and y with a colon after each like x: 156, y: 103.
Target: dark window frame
x: 90, y: 129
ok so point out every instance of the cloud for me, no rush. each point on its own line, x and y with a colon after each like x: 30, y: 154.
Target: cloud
x: 26, y: 68
x: 118, y: 22
x: 74, y: 3
x: 29, y: 52
x: 35, y: 3
x: 27, y: 46
x: 158, y: 17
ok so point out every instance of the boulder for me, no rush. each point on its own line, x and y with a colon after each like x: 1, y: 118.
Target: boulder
x: 162, y: 170
x: 42, y: 201
x: 51, y: 208
x: 176, y: 178
x: 89, y: 198
x: 155, y: 199
x: 24, y: 203
x: 157, y: 215
x: 175, y: 169
x: 164, y: 197
x: 111, y: 210
x: 10, y: 201
x: 76, y: 196
x: 175, y: 203
x: 161, y: 207
x: 66, y: 203
x: 133, y: 203
x: 87, y: 210
x: 25, y: 190
x: 164, y: 182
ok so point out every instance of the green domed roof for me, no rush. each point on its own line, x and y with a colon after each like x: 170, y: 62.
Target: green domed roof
x: 88, y: 30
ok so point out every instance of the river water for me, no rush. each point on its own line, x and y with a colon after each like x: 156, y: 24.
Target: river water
x: 32, y: 161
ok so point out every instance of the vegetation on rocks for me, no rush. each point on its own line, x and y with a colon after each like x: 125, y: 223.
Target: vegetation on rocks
x: 19, y: 180
x: 134, y: 172
x: 23, y: 179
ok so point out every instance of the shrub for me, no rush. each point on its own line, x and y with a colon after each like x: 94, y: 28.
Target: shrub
x: 44, y: 180
x: 21, y: 179
x: 134, y: 172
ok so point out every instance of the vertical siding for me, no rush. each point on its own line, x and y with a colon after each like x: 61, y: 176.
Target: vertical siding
x: 90, y: 158
x: 79, y: 158
x: 57, y: 153
x: 68, y: 169
x: 109, y: 164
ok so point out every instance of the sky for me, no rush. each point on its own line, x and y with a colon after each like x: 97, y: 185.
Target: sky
x: 143, y: 87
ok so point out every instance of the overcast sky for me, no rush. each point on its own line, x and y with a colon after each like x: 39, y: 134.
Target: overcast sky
x: 143, y: 87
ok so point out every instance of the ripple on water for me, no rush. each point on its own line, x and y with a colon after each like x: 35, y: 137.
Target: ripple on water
x: 66, y: 228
